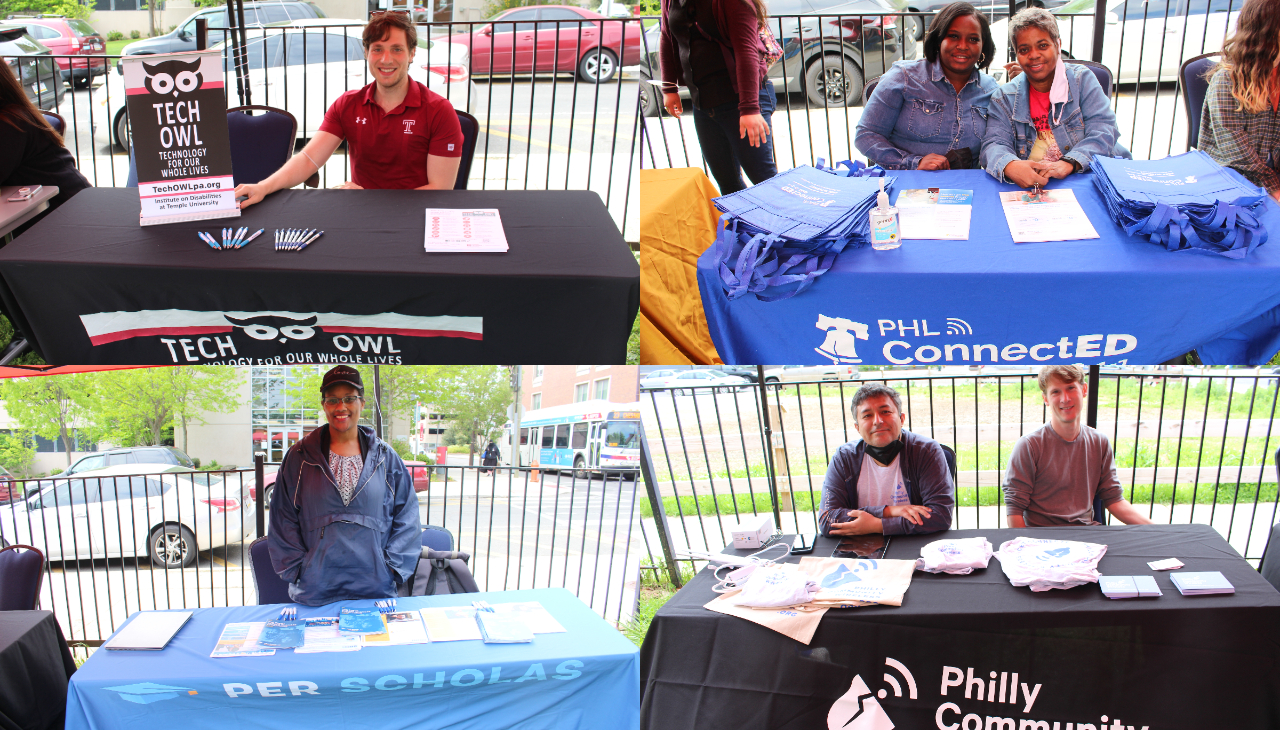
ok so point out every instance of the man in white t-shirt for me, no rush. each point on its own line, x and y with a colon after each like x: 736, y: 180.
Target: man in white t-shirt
x: 892, y: 482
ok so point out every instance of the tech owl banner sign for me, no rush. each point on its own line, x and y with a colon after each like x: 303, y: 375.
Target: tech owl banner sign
x: 178, y: 117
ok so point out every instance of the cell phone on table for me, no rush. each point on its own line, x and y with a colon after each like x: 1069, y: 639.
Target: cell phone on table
x: 803, y: 543
x: 26, y: 193
x: 862, y: 546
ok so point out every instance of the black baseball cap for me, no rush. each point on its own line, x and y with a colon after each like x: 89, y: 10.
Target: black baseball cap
x: 342, y: 375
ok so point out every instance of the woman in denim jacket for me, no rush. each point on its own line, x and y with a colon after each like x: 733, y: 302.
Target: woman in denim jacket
x: 1048, y: 121
x: 931, y: 114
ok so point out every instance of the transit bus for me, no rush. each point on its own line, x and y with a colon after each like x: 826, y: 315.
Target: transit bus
x: 590, y: 436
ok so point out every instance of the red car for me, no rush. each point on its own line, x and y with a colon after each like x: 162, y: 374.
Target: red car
x: 10, y: 488
x: 420, y: 471
x: 69, y: 37
x: 553, y: 39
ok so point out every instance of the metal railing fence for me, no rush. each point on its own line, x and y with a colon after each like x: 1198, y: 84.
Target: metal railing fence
x: 1189, y: 447
x: 541, y: 126
x: 1143, y: 48
x: 105, y: 538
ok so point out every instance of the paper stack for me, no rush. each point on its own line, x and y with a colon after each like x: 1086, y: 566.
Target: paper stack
x: 1129, y: 586
x: 1183, y: 201
x: 451, y: 230
x: 1201, y: 584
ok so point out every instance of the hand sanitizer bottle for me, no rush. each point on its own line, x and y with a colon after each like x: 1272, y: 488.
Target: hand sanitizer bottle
x: 884, y: 223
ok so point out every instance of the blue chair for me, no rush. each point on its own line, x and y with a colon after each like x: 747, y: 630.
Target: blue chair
x: 470, y: 133
x: 260, y: 143
x: 21, y: 573
x: 1099, y: 512
x: 437, y: 538
x: 950, y: 455
x: 1270, y: 565
x: 271, y: 589
x: 1194, y: 86
x: 56, y: 121
x: 1102, y: 72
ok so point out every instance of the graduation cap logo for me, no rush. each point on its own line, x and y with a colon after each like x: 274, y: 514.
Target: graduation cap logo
x: 144, y: 693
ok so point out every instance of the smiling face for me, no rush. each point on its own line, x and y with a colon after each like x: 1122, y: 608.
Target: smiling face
x: 342, y: 417
x: 1037, y: 55
x: 1065, y: 401
x: 389, y: 59
x: 961, y: 47
x: 879, y: 421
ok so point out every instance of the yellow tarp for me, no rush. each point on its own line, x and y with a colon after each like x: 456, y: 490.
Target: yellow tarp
x: 677, y: 223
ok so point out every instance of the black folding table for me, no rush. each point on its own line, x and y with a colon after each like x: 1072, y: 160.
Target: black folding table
x: 89, y: 285
x: 1174, y: 662
x: 35, y: 664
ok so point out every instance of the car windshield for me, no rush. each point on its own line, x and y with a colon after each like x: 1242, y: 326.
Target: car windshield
x: 623, y: 434
x: 81, y: 28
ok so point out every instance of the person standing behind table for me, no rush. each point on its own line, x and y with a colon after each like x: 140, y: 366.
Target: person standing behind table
x: 344, y: 522
x: 717, y: 49
x: 1240, y: 122
x: 31, y: 151
x: 892, y: 482
x: 1051, y: 119
x: 1056, y: 471
x: 401, y: 135
x: 931, y: 113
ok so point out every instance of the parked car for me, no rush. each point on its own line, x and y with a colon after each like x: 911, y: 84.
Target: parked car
x: 132, y: 510
x: 154, y: 455
x: 657, y: 379
x: 1157, y: 36
x: 828, y: 55
x: 993, y: 9
x: 69, y: 37
x: 39, y: 77
x: 304, y: 67
x: 715, y: 379
x: 556, y: 39
x: 809, y: 373
x: 419, y: 470
x: 8, y: 487
x: 183, y: 38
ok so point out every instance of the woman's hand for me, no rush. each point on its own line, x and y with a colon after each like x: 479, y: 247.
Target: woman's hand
x: 934, y: 162
x: 252, y: 193
x: 754, y: 129
x: 1012, y: 71
x: 1059, y: 169
x: 671, y: 102
x: 1024, y: 174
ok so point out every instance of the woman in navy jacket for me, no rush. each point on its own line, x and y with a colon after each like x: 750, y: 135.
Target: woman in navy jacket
x: 344, y: 524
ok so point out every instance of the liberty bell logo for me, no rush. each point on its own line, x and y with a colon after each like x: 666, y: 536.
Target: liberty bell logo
x: 840, y: 346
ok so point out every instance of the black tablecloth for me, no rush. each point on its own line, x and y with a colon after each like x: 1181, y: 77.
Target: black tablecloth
x: 34, y: 666
x: 566, y: 292
x: 1170, y: 663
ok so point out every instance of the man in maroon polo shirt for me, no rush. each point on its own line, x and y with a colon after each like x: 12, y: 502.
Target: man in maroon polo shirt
x: 401, y: 135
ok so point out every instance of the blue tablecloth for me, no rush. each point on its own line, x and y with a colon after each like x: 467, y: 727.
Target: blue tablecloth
x: 989, y: 300
x: 587, y: 678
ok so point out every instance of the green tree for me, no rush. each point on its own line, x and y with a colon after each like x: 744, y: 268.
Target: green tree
x: 476, y: 398
x: 49, y: 406
x: 403, y: 386
x: 134, y: 407
x: 17, y: 451
x: 69, y: 8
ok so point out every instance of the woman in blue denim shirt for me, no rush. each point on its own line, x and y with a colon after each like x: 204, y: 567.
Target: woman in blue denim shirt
x: 931, y: 114
x: 1047, y: 122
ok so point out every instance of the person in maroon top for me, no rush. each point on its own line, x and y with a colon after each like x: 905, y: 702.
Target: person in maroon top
x: 401, y: 135
x: 718, y: 49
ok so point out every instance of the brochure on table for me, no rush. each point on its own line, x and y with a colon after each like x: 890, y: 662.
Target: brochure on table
x: 1046, y: 215
x: 178, y: 123
x: 935, y: 213
x: 452, y: 230
x: 323, y: 634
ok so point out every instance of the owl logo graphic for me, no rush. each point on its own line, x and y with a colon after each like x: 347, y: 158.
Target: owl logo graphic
x: 172, y: 76
x: 271, y: 327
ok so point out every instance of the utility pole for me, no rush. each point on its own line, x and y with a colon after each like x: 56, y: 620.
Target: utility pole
x: 517, y: 379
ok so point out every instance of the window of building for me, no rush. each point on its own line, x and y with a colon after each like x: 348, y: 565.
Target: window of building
x: 280, y: 414
x: 602, y: 389
x: 580, y: 392
x: 535, y: 401
x: 582, y: 370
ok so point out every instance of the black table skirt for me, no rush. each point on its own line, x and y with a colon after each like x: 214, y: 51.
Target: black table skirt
x: 35, y: 664
x: 1174, y: 662
x: 566, y: 292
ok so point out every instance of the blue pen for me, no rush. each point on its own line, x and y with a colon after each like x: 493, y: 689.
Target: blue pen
x: 240, y: 236
x: 208, y: 239
x: 225, y: 235
x: 246, y: 241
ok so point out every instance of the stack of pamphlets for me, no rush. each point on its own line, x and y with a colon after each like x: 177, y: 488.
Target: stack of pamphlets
x: 361, y: 621
x: 281, y: 635
x: 1183, y: 201
x: 780, y: 235
x: 1129, y: 586
x: 451, y: 230
x: 1040, y: 214
x: 1201, y: 584
x: 500, y: 628
x: 935, y: 213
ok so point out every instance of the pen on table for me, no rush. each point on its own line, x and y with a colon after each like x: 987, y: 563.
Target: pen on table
x: 240, y: 238
x: 246, y: 241
x: 309, y: 240
x: 235, y: 240
x: 224, y: 238
x: 208, y: 239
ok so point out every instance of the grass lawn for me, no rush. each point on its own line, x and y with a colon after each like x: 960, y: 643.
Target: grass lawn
x: 114, y: 47
x: 655, y: 591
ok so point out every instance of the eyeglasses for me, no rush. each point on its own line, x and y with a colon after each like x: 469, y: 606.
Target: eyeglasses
x: 344, y: 401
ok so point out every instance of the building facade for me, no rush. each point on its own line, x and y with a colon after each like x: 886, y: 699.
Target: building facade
x: 555, y: 385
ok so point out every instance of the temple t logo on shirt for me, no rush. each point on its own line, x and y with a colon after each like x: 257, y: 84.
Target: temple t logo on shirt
x: 408, y: 125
